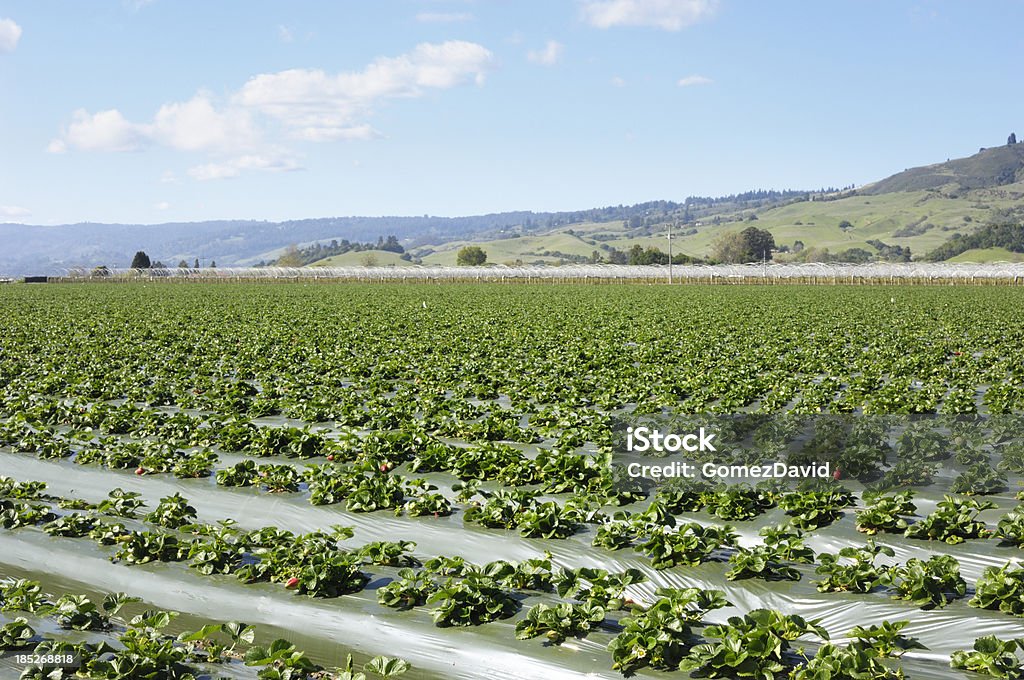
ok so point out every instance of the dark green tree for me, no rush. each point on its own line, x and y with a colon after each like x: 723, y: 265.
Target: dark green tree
x: 471, y: 256
x: 140, y: 261
x: 1012, y: 139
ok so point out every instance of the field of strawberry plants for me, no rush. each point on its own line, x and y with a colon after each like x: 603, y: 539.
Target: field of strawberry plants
x: 430, y: 481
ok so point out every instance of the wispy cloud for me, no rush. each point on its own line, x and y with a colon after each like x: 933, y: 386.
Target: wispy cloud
x: 162, y: 205
x: 10, y: 34
x: 443, y: 17
x: 248, y: 130
x: 690, y: 81
x: 618, y: 81
x: 548, y: 56
x: 668, y: 15
x: 14, y: 211
x: 285, y: 34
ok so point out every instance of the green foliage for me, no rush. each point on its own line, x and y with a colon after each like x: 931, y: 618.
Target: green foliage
x: 557, y: 622
x: 931, y: 583
x: 886, y: 513
x: 471, y: 602
x: 173, y: 512
x: 16, y: 635
x: 754, y: 645
x: 992, y: 657
x: 660, y: 635
x: 1000, y: 588
x: 860, y: 576
x: 954, y: 521
x: 470, y: 256
x: 760, y: 561
x: 689, y: 544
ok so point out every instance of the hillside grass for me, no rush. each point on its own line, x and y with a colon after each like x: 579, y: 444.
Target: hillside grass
x: 383, y: 258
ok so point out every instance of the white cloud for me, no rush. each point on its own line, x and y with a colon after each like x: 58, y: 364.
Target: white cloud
x: 690, y: 81
x: 443, y: 17
x: 548, y: 56
x: 618, y: 81
x: 10, y: 34
x: 316, y: 105
x: 300, y: 104
x: 235, y: 166
x: 285, y: 34
x: 196, y: 125
x: 102, y: 131
x: 668, y: 15
x: 168, y: 177
x: 14, y: 211
x: 162, y: 205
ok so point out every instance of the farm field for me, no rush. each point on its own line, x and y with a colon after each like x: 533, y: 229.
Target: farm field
x: 435, y: 475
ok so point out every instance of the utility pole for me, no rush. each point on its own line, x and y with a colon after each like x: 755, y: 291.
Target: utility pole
x: 670, y: 252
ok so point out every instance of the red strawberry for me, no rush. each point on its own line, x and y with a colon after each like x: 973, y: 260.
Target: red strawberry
x: 330, y: 456
x: 292, y: 582
x: 140, y: 471
x: 837, y: 474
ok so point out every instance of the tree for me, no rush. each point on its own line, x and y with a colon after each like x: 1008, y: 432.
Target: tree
x: 291, y: 257
x: 471, y: 256
x: 213, y: 263
x: 183, y: 264
x: 1012, y: 139
x: 845, y: 224
x: 101, y: 270
x: 750, y: 245
x: 196, y: 264
x: 140, y: 261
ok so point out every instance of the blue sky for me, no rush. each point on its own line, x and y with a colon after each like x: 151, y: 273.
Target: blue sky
x: 178, y: 110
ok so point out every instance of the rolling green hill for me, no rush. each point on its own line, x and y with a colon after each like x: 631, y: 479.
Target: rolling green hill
x: 920, y: 209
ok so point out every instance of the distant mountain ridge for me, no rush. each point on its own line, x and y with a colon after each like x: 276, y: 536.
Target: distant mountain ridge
x: 992, y: 167
x: 32, y: 249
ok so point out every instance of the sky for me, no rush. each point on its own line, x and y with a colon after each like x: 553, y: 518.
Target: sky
x: 150, y: 111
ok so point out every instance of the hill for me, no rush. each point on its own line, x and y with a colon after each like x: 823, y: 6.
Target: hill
x: 988, y: 168
x: 919, y: 210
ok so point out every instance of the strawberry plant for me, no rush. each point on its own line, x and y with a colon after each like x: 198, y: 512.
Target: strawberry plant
x: 140, y: 547
x: 388, y: 553
x: 243, y: 473
x: 376, y: 492
x: 954, y: 521
x: 991, y: 656
x: 23, y: 595
x: 860, y: 576
x: 760, y: 561
x: 754, y: 645
x: 688, y: 545
x: 932, y: 583
x: 16, y: 635
x: 470, y: 602
x: 411, y: 589
x: 886, y: 513
x: 121, y: 503
x: 1000, y: 588
x: 74, y: 525
x: 863, y: 658
x: 660, y: 636
x: 980, y: 479
x: 598, y: 586
x: 560, y: 621
x: 173, y: 512
x: 787, y: 544
x: 816, y: 508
